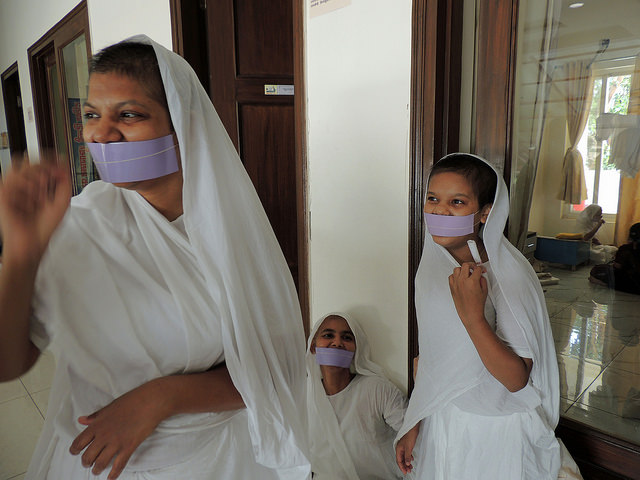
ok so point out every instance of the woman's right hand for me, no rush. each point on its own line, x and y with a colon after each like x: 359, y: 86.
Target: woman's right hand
x: 404, y: 449
x: 33, y: 200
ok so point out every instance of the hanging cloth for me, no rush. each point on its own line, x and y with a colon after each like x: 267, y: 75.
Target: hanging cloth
x: 578, y: 88
x: 629, y: 197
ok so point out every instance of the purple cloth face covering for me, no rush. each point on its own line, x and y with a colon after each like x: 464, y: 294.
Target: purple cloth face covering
x: 122, y: 162
x: 334, y: 357
x: 449, y: 225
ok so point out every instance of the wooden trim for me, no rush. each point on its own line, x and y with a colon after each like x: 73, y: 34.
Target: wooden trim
x: 436, y: 59
x: 599, y: 455
x: 74, y: 24
x: 496, y: 52
x: 300, y: 119
x: 9, y: 71
x: 175, y: 10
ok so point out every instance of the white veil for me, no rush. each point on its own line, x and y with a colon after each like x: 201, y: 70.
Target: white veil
x: 450, y: 368
x: 244, y: 269
x: 325, y: 436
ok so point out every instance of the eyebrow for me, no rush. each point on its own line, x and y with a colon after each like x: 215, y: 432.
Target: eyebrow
x: 331, y: 330
x: 430, y: 192
x: 119, y: 104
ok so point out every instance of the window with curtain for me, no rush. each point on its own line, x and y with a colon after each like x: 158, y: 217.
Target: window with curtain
x: 611, y: 92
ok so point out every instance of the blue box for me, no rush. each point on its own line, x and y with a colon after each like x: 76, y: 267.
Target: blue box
x: 566, y: 252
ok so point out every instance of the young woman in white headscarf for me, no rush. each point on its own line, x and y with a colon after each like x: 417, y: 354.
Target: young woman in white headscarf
x: 161, y: 290
x: 486, y: 397
x: 354, y: 411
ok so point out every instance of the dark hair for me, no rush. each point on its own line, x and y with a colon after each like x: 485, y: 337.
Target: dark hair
x: 634, y: 232
x: 481, y: 176
x: 137, y: 61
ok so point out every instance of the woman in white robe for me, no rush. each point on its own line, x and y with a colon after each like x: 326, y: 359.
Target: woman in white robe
x: 486, y: 397
x: 167, y: 302
x: 354, y: 411
x: 588, y: 223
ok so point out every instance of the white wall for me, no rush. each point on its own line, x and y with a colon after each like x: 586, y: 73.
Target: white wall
x: 23, y: 22
x: 358, y: 85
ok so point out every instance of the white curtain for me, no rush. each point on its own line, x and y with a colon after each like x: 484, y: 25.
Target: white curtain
x: 577, y: 84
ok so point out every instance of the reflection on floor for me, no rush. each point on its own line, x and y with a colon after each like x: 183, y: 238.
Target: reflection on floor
x: 597, y: 333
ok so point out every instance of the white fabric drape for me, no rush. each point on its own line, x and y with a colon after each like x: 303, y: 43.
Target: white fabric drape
x: 226, y: 273
x: 577, y: 84
x: 449, y: 367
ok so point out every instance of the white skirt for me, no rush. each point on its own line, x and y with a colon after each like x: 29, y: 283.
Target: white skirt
x: 454, y: 444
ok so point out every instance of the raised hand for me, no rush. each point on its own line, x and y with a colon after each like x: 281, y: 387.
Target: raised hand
x: 33, y: 200
x: 469, y: 291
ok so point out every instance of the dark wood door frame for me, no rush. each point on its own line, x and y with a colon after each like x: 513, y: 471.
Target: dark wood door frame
x: 179, y: 45
x: 12, y: 97
x: 49, y: 49
x: 436, y: 53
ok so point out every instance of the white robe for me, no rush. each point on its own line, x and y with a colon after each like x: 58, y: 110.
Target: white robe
x: 351, y: 433
x: 124, y: 296
x: 471, y: 425
x: 370, y: 411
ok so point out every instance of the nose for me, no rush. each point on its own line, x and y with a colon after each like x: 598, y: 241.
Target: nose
x: 337, y: 343
x: 440, y: 210
x: 101, y: 130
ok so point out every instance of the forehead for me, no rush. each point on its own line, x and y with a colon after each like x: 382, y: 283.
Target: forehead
x: 336, y: 323
x: 450, y: 181
x: 115, y: 85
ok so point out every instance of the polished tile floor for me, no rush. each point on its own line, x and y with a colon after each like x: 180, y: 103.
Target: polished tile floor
x: 596, y: 331
x: 23, y: 403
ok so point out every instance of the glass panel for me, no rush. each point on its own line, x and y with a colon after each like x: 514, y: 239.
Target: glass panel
x: 76, y: 74
x: 576, y: 141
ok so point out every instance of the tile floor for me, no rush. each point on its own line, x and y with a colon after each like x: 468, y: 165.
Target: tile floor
x: 23, y: 403
x: 596, y: 331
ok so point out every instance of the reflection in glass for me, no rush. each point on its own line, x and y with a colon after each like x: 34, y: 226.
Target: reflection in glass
x: 575, y: 142
x: 76, y: 74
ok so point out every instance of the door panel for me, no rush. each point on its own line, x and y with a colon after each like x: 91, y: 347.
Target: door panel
x: 251, y: 47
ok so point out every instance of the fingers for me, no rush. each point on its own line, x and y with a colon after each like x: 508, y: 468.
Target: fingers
x: 404, y: 458
x: 81, y: 441
x: 118, y: 465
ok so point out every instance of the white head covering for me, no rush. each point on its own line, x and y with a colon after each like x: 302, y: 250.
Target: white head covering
x: 450, y: 368
x: 245, y: 270
x: 325, y: 437
x: 589, y: 218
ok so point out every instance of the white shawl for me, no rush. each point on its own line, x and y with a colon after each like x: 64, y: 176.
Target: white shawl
x: 237, y: 272
x: 325, y: 437
x: 450, y: 368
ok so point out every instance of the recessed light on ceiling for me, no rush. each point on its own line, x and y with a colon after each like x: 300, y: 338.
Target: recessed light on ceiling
x: 576, y: 5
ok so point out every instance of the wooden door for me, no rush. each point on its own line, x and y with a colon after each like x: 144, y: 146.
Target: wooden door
x: 249, y: 72
x: 250, y: 45
x: 13, y: 110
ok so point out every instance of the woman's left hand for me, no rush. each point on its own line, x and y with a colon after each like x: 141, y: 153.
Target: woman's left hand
x: 114, y: 432
x: 469, y: 291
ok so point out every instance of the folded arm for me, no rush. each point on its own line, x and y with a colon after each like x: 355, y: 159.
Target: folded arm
x: 114, y: 432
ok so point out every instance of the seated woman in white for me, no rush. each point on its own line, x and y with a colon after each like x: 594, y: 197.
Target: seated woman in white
x: 354, y: 411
